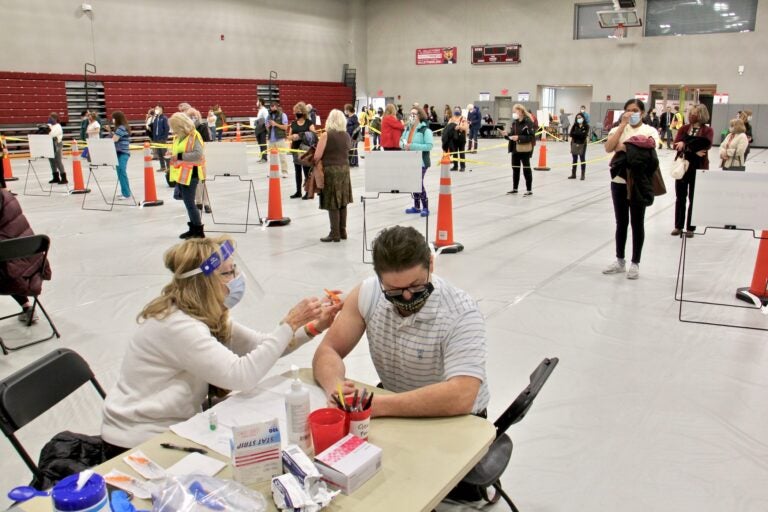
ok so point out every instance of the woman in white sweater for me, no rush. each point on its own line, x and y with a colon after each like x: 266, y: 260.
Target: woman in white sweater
x: 187, y: 341
x: 734, y: 146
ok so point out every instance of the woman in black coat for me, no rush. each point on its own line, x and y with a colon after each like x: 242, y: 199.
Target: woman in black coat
x: 579, y: 134
x: 521, y: 137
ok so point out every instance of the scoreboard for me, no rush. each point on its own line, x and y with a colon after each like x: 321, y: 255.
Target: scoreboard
x: 496, y: 54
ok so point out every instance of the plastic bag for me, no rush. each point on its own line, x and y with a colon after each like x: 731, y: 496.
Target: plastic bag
x: 201, y: 493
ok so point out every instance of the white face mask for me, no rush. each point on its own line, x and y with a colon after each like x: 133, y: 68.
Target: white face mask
x: 749, y: 118
x: 157, y: 111
x: 236, y: 291
x: 412, y: 118
x: 515, y: 116
x: 579, y: 120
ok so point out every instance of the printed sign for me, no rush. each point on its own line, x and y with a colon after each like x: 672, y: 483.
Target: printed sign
x: 523, y: 96
x: 484, y: 96
x: 426, y: 56
x: 642, y: 96
x: 720, y: 98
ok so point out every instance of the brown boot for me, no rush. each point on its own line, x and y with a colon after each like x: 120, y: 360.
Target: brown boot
x: 343, y: 223
x: 333, y: 236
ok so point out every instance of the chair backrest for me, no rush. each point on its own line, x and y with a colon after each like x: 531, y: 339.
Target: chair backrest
x: 34, y: 389
x: 24, y: 247
x: 518, y: 409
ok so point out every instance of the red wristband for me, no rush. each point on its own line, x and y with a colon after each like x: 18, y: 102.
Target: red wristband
x: 312, y: 329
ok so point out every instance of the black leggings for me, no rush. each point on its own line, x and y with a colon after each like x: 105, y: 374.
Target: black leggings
x: 522, y: 160
x: 626, y: 210
x: 576, y: 159
x: 684, y: 191
x: 21, y: 299
x: 300, y: 170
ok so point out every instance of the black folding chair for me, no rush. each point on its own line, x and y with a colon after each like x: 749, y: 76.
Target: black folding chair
x: 487, y: 473
x: 20, y: 248
x: 36, y: 388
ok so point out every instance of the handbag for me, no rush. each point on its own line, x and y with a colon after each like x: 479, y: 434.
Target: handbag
x: 679, y: 167
x: 657, y: 181
x: 577, y: 149
x: 523, y: 147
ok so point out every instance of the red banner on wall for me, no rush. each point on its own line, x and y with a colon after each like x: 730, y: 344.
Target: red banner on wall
x: 426, y: 56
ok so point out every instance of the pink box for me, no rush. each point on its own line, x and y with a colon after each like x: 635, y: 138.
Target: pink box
x: 349, y: 463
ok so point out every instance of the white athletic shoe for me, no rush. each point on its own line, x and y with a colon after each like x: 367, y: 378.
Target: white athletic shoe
x: 615, y: 268
x: 634, y: 271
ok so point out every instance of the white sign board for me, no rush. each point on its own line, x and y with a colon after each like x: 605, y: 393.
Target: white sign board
x: 102, y: 152
x: 731, y: 198
x: 393, y: 171
x: 41, y: 146
x: 231, y: 157
x: 720, y: 98
x: 484, y: 96
x: 523, y: 96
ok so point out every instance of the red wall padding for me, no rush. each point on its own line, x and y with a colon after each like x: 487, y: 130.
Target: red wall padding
x: 30, y: 97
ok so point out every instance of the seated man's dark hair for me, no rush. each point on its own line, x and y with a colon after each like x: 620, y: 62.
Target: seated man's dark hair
x: 399, y: 248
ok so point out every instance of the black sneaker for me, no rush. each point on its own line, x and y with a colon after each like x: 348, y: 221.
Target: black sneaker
x: 514, y: 191
x: 54, y: 180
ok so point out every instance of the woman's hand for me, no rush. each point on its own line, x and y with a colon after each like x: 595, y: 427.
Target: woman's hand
x: 679, y: 146
x: 703, y: 152
x: 625, y: 117
x: 514, y: 138
x: 305, y: 311
x: 328, y: 314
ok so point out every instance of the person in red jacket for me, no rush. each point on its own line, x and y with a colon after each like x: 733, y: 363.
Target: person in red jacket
x: 13, y: 275
x: 391, y: 129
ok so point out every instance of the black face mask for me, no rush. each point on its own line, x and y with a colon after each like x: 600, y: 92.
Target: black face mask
x: 416, y: 302
x: 299, y: 115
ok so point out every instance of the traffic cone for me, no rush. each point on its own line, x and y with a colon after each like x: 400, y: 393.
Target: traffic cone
x: 275, y: 211
x: 150, y: 192
x: 759, y: 286
x: 444, y: 240
x: 7, y: 167
x: 367, y: 143
x: 543, y: 152
x: 237, y: 133
x: 77, y: 171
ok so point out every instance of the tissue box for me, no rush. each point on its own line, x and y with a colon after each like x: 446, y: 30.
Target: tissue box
x: 349, y: 463
x: 256, y: 452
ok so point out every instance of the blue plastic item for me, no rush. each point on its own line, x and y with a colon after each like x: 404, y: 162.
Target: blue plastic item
x: 25, y: 492
x: 91, y: 498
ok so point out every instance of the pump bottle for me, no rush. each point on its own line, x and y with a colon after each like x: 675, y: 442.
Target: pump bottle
x: 297, y: 413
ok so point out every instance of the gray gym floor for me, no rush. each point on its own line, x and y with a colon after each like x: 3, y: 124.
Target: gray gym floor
x: 642, y: 413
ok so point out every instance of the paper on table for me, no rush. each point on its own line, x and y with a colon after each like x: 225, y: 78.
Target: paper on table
x: 196, y: 464
x: 265, y: 402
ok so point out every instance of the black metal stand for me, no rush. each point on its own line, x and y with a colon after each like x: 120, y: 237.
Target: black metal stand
x: 366, y: 248
x: 112, y: 204
x: 680, y: 286
x: 251, y: 196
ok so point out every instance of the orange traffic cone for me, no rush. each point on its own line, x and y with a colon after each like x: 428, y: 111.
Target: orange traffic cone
x: 759, y: 286
x: 275, y: 211
x: 237, y: 134
x: 543, y: 152
x: 7, y: 167
x: 150, y: 192
x: 444, y: 240
x: 367, y: 143
x: 77, y: 171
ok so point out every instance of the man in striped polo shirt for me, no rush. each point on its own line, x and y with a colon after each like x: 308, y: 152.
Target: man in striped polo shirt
x: 426, y: 337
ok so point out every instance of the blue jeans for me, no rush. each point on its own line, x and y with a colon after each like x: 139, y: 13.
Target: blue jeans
x: 212, y: 130
x: 420, y: 198
x: 219, y: 132
x: 122, y: 173
x: 188, y: 196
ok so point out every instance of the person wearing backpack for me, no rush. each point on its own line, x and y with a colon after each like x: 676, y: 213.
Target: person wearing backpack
x: 418, y: 137
x: 455, y: 139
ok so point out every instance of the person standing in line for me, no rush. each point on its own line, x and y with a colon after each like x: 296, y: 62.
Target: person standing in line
x: 584, y: 113
x: 565, y: 124
x: 475, y: 119
x: 188, y: 169
x: 376, y: 129
x: 363, y: 119
x: 521, y: 136
x: 121, y: 136
x: 84, y: 125
x: 298, y: 128
x: 456, y: 131
x: 211, y: 120
x: 446, y: 114
x: 353, y: 130
x: 312, y: 114
x: 260, y: 130
x: 57, y: 165
x: 665, y: 127
x: 746, y: 118
x: 579, y: 135
x: 159, y: 135
x: 221, y: 122
x: 333, y: 152
x: 278, y: 128
x: 734, y: 146
x: 418, y: 137
x: 391, y: 129
x: 625, y: 207
x: 677, y: 122
x: 693, y: 141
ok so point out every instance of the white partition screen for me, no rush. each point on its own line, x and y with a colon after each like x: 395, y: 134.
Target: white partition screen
x: 102, y: 152
x: 393, y: 171
x: 731, y: 198
x: 226, y: 157
x: 41, y: 146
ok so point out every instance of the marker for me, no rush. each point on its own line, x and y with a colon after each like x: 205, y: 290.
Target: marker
x: 362, y: 399
x: 354, y: 401
x: 341, y: 397
x: 183, y: 448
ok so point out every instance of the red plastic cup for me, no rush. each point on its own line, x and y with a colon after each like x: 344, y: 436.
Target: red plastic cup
x: 327, y: 426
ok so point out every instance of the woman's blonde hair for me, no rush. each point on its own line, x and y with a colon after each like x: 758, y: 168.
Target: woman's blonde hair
x: 302, y: 107
x: 391, y: 110
x: 181, y: 124
x: 199, y: 296
x: 336, y: 122
x: 518, y: 106
x: 702, y: 112
x: 738, y: 126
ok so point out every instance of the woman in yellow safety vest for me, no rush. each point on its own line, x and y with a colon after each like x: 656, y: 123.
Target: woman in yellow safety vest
x: 187, y: 169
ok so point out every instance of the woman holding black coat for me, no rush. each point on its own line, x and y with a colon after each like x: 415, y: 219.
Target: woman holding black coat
x: 693, y: 140
x: 579, y: 134
x: 521, y: 137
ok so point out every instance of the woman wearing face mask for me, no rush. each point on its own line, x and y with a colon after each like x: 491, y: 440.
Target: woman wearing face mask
x: 296, y: 131
x: 521, y: 137
x: 418, y: 137
x: 630, y: 125
x: 455, y: 135
x: 391, y: 129
x: 746, y: 118
x: 187, y: 341
x: 734, y: 146
x: 693, y: 141
x: 579, y: 134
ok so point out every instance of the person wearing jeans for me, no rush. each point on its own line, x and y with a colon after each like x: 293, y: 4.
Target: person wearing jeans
x: 187, y: 169
x: 160, y: 136
x: 122, y: 140
x: 627, y: 211
x: 418, y: 137
x: 278, y: 129
x: 57, y: 165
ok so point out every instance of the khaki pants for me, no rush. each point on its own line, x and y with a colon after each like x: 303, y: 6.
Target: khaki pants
x: 281, y: 144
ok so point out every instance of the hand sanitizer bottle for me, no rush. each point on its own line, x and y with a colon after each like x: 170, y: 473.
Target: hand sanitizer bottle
x: 297, y: 413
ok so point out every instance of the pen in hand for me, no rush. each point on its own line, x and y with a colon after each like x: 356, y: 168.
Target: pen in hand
x: 183, y: 448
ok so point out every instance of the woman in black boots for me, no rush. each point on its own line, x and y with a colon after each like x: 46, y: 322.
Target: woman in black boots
x: 579, y: 135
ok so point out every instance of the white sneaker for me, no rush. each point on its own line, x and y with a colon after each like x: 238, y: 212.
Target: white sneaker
x: 123, y: 198
x: 615, y: 268
x: 634, y: 271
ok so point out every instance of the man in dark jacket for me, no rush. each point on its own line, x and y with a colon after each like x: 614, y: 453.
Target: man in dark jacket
x: 159, y: 135
x: 16, y: 276
x: 665, y: 126
x: 474, y: 119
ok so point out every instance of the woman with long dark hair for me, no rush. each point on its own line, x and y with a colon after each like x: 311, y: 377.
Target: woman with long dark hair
x: 122, y: 138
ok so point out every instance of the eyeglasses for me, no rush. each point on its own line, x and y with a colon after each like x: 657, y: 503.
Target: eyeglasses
x: 398, y: 292
x: 230, y: 274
